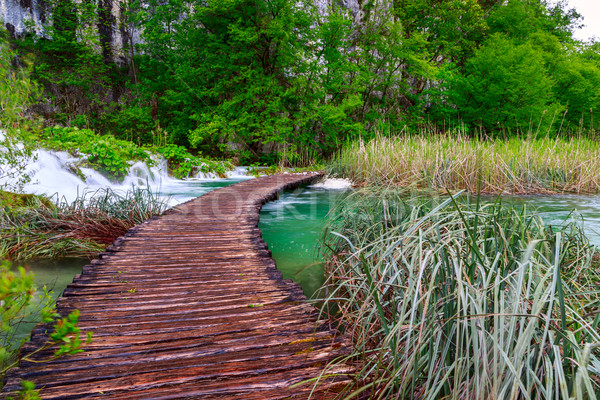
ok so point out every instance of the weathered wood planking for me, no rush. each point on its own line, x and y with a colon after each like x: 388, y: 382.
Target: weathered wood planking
x: 210, y: 316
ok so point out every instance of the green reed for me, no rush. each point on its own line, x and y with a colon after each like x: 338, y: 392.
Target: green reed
x: 455, y: 162
x: 446, y: 298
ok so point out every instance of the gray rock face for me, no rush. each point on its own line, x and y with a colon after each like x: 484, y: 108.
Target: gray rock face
x: 16, y: 14
x: 354, y: 6
x: 20, y: 16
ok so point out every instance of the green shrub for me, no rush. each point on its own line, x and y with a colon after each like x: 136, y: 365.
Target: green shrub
x: 20, y: 304
x: 131, y: 123
x: 106, y: 158
x: 105, y: 153
x: 182, y: 164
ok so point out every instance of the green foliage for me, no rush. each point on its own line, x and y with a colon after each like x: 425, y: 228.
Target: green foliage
x: 449, y: 298
x: 576, y: 78
x: 20, y: 304
x: 238, y: 92
x: 527, y: 74
x: 133, y: 123
x: 504, y: 87
x: 107, y: 159
x: 67, y: 62
x: 16, y: 93
x: 28, y: 391
x: 105, y: 153
x: 16, y: 89
x: 182, y: 164
x: 258, y: 80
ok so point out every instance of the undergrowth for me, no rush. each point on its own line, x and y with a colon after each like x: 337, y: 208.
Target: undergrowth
x: 81, y: 228
x: 114, y: 157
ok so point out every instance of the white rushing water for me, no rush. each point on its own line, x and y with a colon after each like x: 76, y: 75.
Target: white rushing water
x: 334, y: 184
x: 54, y: 174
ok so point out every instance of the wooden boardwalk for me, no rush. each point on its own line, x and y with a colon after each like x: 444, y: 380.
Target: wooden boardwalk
x: 190, y: 305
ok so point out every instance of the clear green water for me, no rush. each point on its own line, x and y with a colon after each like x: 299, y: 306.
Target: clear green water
x: 292, y: 227
x: 556, y: 209
x: 293, y: 224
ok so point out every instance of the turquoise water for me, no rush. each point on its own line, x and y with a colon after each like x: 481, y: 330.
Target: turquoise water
x: 556, y: 209
x: 292, y: 227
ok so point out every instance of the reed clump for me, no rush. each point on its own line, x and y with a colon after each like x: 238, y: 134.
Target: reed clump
x: 81, y: 228
x: 453, y: 161
x: 445, y: 298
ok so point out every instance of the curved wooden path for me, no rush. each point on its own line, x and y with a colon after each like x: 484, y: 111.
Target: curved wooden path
x: 190, y: 305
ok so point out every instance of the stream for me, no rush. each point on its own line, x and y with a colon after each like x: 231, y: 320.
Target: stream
x: 291, y: 225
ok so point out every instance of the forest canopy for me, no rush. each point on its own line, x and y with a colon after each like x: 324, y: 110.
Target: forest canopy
x: 257, y: 78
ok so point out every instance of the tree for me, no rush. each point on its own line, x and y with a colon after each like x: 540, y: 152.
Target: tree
x: 505, y: 87
x: 16, y: 93
x: 576, y: 80
x: 68, y: 63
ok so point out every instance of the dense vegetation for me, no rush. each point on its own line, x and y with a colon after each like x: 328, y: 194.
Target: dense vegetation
x: 457, y: 300
x: 273, y: 80
x: 518, y: 165
x: 449, y: 299
x: 32, y: 226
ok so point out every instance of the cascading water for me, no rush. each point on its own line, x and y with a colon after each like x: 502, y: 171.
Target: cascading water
x: 54, y: 174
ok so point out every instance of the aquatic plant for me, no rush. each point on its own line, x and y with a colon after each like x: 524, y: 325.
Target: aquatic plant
x: 445, y: 298
x: 440, y: 162
x: 182, y: 164
x: 83, y: 227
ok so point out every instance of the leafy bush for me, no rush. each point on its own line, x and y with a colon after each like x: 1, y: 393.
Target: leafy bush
x: 182, y: 164
x: 132, y: 123
x: 105, y: 153
x: 114, y: 156
x: 105, y: 157
x: 505, y: 86
x: 20, y: 304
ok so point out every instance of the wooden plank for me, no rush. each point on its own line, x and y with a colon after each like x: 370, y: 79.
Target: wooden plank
x: 171, y: 306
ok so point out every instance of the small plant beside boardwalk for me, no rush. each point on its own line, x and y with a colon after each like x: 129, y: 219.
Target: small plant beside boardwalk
x: 454, y: 161
x: 446, y: 298
x: 18, y: 299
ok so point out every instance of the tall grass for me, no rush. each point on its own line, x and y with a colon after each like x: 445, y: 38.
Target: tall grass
x: 515, y: 165
x: 81, y: 228
x: 450, y: 299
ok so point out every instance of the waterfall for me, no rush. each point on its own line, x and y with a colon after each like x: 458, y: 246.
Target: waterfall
x: 55, y: 174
